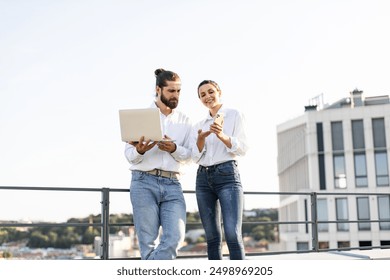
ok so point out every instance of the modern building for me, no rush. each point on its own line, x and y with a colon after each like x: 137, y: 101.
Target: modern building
x: 121, y: 245
x: 339, y: 152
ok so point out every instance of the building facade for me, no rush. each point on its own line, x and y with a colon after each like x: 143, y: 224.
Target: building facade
x: 340, y: 152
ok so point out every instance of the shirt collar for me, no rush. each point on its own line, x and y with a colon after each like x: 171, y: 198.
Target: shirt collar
x: 154, y: 105
x: 221, y: 110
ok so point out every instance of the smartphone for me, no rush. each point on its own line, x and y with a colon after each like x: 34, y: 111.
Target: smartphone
x: 219, y: 119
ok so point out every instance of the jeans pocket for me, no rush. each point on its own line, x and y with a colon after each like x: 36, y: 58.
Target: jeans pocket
x: 137, y: 176
x: 226, y: 169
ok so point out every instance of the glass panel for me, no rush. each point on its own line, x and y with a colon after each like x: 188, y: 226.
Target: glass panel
x: 363, y: 208
x: 321, y: 157
x: 339, y: 171
x: 323, y: 245
x: 378, y: 130
x: 342, y: 214
x: 384, y: 211
x: 337, y: 136
x: 322, y: 214
x: 358, y: 134
x: 361, y: 182
x: 321, y: 166
x: 343, y: 244
x: 360, y: 165
x: 381, y: 167
x: 360, y: 170
x: 302, y: 246
x: 382, y: 181
x: 381, y: 163
x: 320, y: 138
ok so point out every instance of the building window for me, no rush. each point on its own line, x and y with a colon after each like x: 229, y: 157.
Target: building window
x: 322, y: 214
x: 379, y: 133
x: 363, y: 244
x: 360, y: 170
x: 337, y: 136
x: 363, y: 212
x: 323, y: 245
x: 381, y: 167
x: 359, y: 153
x: 380, y: 152
x: 306, y: 217
x: 302, y: 246
x: 384, y: 212
x: 342, y: 214
x: 340, y: 179
x: 358, y: 135
x: 321, y: 156
x: 385, y: 242
x: 343, y: 244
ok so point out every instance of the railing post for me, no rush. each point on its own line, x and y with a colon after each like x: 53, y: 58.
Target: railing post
x: 105, y: 222
x: 314, y: 218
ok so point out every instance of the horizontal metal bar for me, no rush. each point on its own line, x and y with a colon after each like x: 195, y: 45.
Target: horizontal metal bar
x: 71, y: 189
x: 105, y: 220
x: 50, y: 225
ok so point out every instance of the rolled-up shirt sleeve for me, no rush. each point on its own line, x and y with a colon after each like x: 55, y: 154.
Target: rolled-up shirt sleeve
x: 132, y: 155
x: 239, y: 139
x: 182, y: 154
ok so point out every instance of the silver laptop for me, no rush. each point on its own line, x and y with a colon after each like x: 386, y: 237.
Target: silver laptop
x: 135, y: 123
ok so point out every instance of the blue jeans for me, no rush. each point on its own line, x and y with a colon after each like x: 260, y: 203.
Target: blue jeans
x: 219, y: 189
x: 157, y: 201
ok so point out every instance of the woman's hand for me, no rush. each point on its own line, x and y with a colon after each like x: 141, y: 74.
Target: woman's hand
x: 202, y: 139
x: 217, y: 129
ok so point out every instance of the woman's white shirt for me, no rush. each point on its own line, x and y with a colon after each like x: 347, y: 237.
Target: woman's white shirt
x: 214, y: 150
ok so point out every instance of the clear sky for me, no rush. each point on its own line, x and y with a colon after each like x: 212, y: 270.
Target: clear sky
x: 67, y: 67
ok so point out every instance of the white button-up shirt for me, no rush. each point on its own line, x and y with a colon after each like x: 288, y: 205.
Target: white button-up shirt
x: 215, y: 151
x: 177, y: 126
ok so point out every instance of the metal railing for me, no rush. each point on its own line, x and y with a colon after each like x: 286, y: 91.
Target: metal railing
x: 105, y: 217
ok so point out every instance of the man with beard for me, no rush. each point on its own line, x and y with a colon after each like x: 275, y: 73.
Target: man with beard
x: 155, y: 190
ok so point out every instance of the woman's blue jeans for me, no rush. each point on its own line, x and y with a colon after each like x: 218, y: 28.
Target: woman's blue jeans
x: 219, y: 191
x: 158, y: 201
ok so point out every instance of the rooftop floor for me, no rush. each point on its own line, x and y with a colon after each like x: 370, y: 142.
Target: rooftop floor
x: 374, y: 254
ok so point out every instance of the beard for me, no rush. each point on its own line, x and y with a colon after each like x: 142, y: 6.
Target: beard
x: 171, y: 103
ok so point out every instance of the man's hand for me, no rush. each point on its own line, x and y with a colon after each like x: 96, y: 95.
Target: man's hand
x: 167, y: 145
x: 143, y: 146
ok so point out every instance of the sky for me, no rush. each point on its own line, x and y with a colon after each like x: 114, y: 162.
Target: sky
x: 67, y: 67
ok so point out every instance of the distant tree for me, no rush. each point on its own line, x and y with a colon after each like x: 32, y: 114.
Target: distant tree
x: 193, y: 221
x: 38, y: 240
x: 3, y: 236
x: 263, y: 231
x: 201, y: 239
x: 7, y: 255
x: 89, y: 235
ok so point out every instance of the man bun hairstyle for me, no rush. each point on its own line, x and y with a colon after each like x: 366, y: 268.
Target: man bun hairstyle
x: 162, y: 76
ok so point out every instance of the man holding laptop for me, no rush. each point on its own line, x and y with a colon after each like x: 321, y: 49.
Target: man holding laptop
x: 155, y: 191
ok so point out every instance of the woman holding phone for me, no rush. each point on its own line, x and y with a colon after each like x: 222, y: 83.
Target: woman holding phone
x: 217, y: 142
